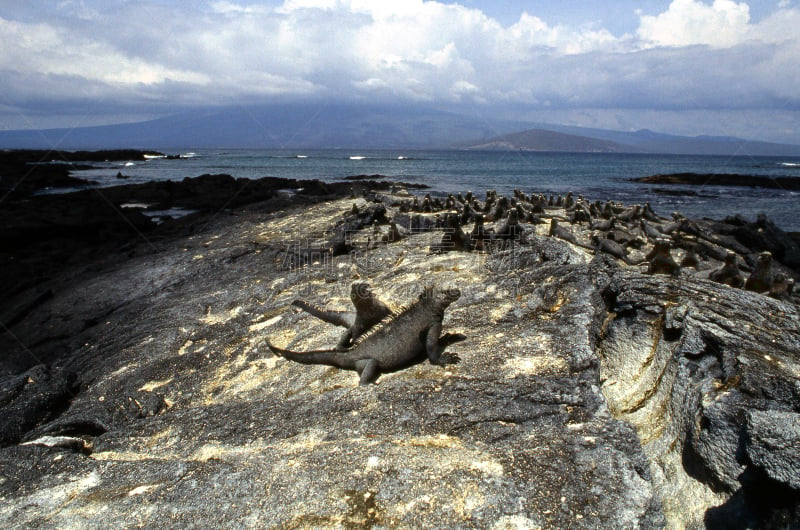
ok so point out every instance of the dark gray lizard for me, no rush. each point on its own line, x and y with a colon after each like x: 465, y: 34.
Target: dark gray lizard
x: 562, y: 233
x: 609, y: 246
x: 369, y: 311
x: 398, y: 342
x: 660, y: 259
x: 729, y: 273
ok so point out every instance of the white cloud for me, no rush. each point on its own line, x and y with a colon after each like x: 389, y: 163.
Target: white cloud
x: 779, y: 27
x: 388, y: 9
x: 531, y: 32
x: 695, y: 54
x: 229, y: 8
x: 78, y: 9
x: 687, y: 22
x: 44, y: 49
x: 293, y: 5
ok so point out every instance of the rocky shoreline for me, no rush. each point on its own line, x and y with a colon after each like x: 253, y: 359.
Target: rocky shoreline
x: 723, y: 179
x: 23, y: 172
x: 42, y: 234
x: 602, y: 382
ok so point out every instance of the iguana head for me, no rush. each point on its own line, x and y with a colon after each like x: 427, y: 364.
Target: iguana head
x: 440, y: 297
x: 764, y: 261
x: 360, y: 293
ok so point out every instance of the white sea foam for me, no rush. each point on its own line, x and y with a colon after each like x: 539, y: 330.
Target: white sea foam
x: 174, y: 213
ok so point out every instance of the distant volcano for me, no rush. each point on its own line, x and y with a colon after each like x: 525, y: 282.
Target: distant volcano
x: 544, y: 140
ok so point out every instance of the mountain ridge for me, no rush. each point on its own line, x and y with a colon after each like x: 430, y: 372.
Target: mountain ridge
x: 546, y: 140
x: 647, y: 141
x: 372, y: 126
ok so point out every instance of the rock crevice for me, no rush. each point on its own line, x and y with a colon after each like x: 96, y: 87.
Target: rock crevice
x: 690, y: 363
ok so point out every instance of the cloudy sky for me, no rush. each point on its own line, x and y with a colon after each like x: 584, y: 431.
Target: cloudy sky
x: 685, y: 66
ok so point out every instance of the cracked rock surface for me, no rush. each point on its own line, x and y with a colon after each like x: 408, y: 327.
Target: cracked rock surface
x: 588, y: 394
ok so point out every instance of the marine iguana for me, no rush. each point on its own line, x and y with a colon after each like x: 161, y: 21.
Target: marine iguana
x: 690, y: 258
x: 625, y: 238
x: 468, y: 213
x: 500, y: 208
x: 369, y: 311
x: 650, y: 214
x: 631, y: 214
x: 509, y: 229
x: 650, y: 231
x: 478, y: 236
x: 396, y: 233
x: 760, y: 280
x: 581, y: 213
x: 569, y: 201
x: 453, y: 237
x: 609, y: 246
x: 527, y: 214
x: 398, y: 342
x: 538, y: 204
x: 661, y: 261
x: 729, y: 273
x: 562, y: 233
x: 603, y: 224
x: 677, y: 220
x: 782, y: 287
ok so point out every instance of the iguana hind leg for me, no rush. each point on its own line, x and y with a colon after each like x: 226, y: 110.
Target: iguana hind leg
x: 369, y: 371
x: 344, y: 319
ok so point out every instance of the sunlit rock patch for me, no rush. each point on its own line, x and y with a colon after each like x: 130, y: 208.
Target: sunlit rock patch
x: 583, y: 397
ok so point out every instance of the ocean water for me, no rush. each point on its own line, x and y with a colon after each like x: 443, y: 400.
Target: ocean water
x: 596, y: 176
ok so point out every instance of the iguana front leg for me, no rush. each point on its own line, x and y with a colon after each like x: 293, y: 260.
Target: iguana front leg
x: 345, y: 341
x: 434, y: 346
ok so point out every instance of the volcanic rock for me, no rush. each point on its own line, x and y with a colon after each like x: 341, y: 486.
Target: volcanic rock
x: 589, y: 394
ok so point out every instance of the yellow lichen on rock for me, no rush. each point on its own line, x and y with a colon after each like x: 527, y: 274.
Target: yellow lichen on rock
x: 536, y: 365
x: 153, y: 385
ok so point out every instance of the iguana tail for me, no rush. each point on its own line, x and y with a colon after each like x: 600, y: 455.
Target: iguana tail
x: 633, y: 262
x: 337, y: 318
x: 327, y: 357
